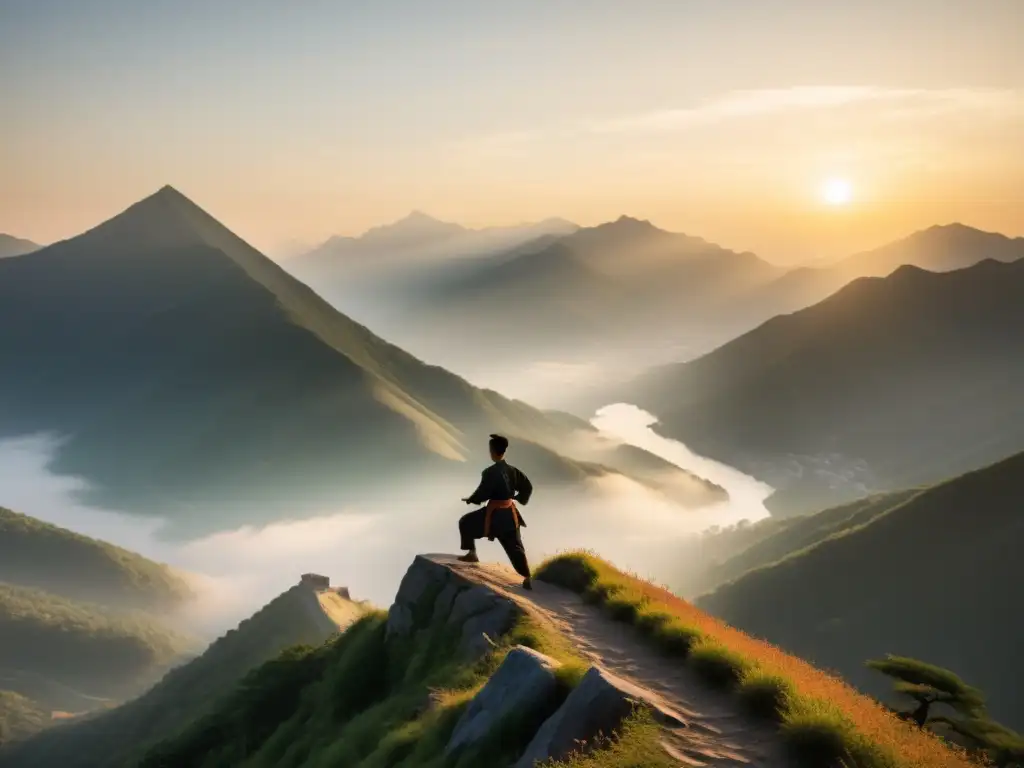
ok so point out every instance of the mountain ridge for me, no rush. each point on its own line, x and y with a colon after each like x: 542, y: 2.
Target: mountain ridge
x: 938, y: 248
x: 416, y: 237
x: 462, y: 646
x: 116, y: 736
x: 963, y: 534
x: 47, y: 557
x: 164, y: 329
x: 895, y: 345
x: 11, y: 246
x: 597, y: 290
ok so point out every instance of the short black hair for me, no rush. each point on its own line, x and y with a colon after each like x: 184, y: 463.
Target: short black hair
x: 498, y: 445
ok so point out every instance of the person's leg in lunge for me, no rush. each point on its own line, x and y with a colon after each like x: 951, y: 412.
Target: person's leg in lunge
x: 512, y: 543
x: 471, y: 528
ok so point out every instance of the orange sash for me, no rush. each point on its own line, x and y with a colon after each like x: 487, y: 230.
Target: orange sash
x: 494, y: 504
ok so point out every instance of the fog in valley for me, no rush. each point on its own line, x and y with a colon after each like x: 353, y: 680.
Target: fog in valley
x: 566, y: 377
x: 368, y: 547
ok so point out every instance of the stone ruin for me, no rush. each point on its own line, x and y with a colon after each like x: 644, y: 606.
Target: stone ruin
x: 315, y: 581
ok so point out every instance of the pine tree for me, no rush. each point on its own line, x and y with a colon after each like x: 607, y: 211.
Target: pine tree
x: 929, y: 686
x: 1003, y: 748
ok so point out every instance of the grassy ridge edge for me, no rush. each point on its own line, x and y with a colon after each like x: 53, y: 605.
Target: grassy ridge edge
x: 821, y: 719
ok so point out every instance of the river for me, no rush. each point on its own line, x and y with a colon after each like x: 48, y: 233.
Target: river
x: 633, y: 425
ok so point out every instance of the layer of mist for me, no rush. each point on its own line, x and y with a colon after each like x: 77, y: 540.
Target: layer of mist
x: 571, y: 379
x: 368, y: 547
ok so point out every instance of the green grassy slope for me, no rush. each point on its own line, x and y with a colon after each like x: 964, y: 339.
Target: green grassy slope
x: 368, y: 701
x: 362, y: 701
x: 772, y: 539
x: 59, y: 561
x: 822, y: 721
x: 192, y: 372
x: 185, y: 693
x: 82, y: 646
x: 917, y: 375
x: 936, y: 577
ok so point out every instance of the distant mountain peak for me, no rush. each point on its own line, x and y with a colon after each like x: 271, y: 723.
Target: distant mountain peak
x: 624, y: 226
x: 632, y: 221
x: 168, y: 194
x: 907, y: 272
x: 956, y: 235
x: 955, y: 226
x: 939, y: 248
x: 415, y: 227
x: 167, y: 199
x: 160, y: 224
x: 417, y: 216
x: 16, y: 246
x: 557, y: 222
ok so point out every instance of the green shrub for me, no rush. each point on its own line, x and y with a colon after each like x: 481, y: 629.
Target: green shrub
x: 765, y: 695
x: 717, y: 665
x: 574, y: 571
x: 569, y: 675
x: 649, y: 622
x: 624, y: 608
x: 637, y: 745
x: 814, y: 741
x: 677, y: 639
x: 600, y: 593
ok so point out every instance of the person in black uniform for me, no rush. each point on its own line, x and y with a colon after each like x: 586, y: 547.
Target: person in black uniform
x: 501, y: 486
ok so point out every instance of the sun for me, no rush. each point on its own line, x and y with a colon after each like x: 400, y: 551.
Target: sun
x: 837, y: 191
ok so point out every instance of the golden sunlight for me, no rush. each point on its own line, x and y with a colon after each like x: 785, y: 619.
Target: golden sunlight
x: 837, y: 191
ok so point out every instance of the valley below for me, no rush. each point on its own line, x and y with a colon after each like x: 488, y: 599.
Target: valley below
x: 367, y: 546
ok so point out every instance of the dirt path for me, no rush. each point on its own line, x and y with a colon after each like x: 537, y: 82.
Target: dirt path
x: 717, y: 733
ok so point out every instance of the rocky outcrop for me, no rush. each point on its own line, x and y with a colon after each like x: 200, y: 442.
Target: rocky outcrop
x: 439, y: 593
x: 598, y: 705
x: 432, y: 593
x: 524, y: 683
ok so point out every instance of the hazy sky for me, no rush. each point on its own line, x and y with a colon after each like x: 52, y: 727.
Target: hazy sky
x: 721, y: 118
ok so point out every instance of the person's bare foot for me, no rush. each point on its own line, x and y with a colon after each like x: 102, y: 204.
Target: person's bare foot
x: 527, y: 583
x: 470, y: 557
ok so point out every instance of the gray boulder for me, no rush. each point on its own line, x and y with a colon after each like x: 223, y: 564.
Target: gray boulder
x: 399, y: 621
x: 524, y: 682
x: 432, y: 592
x: 598, y: 705
x: 480, y: 632
x: 471, y: 602
x: 444, y: 601
x: 421, y: 578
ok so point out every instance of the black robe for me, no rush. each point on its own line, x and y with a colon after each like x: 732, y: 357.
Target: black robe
x: 499, y: 482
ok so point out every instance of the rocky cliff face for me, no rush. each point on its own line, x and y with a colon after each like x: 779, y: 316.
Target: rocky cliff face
x: 432, y: 592
x: 526, y: 690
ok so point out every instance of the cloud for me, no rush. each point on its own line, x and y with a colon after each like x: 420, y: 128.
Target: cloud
x: 283, y: 541
x: 736, y: 106
x: 750, y: 103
